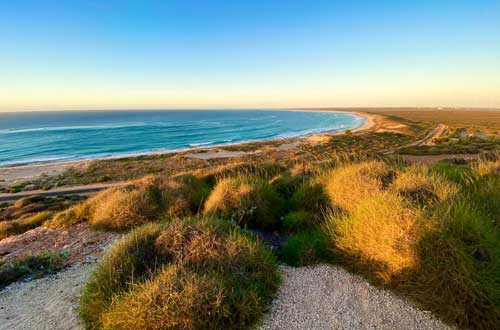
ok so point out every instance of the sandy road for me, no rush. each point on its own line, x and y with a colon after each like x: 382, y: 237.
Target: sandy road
x: 435, y: 133
x: 74, y: 190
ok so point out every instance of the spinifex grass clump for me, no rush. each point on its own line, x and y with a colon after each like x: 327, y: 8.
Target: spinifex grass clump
x: 187, y: 274
x: 447, y: 259
x: 141, y: 201
x: 378, y: 233
x: 348, y: 184
x: 247, y: 200
x: 18, y: 226
x: 421, y: 187
x: 265, y: 171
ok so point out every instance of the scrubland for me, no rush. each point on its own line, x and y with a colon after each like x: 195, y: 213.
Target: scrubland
x: 194, y: 258
x: 195, y: 251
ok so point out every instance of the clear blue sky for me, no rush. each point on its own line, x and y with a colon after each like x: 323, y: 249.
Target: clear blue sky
x: 134, y: 54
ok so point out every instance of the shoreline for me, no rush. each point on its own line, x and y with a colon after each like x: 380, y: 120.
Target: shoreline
x: 10, y: 174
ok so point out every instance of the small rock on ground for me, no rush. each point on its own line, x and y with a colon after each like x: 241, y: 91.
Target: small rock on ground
x: 328, y: 297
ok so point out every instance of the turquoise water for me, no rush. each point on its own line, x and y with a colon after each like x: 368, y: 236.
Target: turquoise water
x: 58, y: 136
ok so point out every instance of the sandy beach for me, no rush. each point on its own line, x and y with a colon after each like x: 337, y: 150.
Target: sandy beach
x: 12, y: 175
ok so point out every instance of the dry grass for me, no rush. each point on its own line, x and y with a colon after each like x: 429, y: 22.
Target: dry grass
x: 148, y: 199
x: 419, y: 186
x: 347, y: 185
x: 247, y: 200
x: 379, y: 232
x: 19, y: 226
x: 119, y: 208
x: 131, y: 260
x: 175, y: 299
x: 197, y: 274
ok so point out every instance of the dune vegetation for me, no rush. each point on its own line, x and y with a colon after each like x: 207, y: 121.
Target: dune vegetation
x: 196, y: 253
x: 194, y: 273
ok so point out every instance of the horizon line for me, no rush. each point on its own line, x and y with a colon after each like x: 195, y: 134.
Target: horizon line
x: 255, y: 108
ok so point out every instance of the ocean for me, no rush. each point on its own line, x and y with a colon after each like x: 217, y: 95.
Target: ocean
x: 30, y: 137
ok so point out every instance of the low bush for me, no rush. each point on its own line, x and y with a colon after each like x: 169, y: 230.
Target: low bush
x: 69, y: 217
x: 457, y: 173
x: 19, y: 226
x: 31, y: 266
x: 298, y: 221
x: 197, y: 274
x: 306, y: 248
x: 311, y: 197
x: 247, y: 200
x: 286, y: 185
x: 123, y: 207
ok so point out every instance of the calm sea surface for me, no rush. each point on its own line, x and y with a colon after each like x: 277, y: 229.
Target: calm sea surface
x: 57, y: 136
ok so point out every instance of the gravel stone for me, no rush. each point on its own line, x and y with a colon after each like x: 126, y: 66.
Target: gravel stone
x: 328, y: 297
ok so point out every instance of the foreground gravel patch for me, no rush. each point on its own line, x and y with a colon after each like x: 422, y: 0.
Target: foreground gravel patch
x: 47, y: 303
x: 328, y: 297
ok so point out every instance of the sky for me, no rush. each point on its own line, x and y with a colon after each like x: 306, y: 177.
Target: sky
x: 94, y: 54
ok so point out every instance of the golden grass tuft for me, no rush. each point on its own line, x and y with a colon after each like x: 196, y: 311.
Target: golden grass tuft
x: 186, y: 274
x: 144, y: 200
x: 348, y: 184
x: 19, y: 226
x: 421, y: 187
x: 75, y: 214
x: 247, y: 200
x: 380, y: 232
x: 175, y: 299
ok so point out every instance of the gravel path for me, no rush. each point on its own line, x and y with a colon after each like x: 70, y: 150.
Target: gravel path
x: 328, y: 297
x: 320, y: 297
x: 47, y: 303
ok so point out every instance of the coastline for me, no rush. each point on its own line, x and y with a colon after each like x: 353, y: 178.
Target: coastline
x: 10, y: 174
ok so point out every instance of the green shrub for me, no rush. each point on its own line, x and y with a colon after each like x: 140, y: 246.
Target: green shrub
x: 484, y: 194
x: 286, y: 185
x: 191, y: 274
x: 310, y: 197
x: 33, y: 266
x: 306, y: 248
x: 298, y: 221
x: 447, y: 260
x: 454, y: 172
x: 247, y: 200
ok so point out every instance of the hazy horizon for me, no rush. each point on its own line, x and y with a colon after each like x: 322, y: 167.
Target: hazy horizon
x: 126, y: 55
